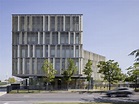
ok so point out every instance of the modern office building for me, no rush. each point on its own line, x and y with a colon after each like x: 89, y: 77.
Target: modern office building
x: 55, y: 37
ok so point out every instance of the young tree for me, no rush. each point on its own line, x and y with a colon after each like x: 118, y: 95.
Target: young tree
x: 88, y: 71
x: 11, y: 80
x: 133, y: 73
x: 110, y: 71
x: 49, y: 71
x: 69, y: 72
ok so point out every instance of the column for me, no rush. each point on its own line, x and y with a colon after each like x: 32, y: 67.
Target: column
x: 30, y: 66
x: 79, y: 51
x: 18, y: 51
x: 18, y: 28
x: 29, y: 50
x: 60, y: 65
x: 58, y: 37
x: 81, y: 38
x: 50, y: 37
x: 60, y: 50
x: 81, y: 66
x: 43, y: 23
x: 18, y: 66
x: 23, y: 66
x: 79, y: 23
x: 48, y: 23
x: 30, y: 24
x: 68, y: 37
x: 38, y: 37
x: 48, y: 50
x: 33, y: 50
x: 79, y: 70
x: 43, y: 37
x: 25, y: 23
x: 35, y: 66
x: 54, y: 63
x: 55, y: 23
x: 71, y: 27
x: 74, y: 38
x: 74, y: 51
x: 63, y: 23
x: 56, y: 51
x: 44, y: 50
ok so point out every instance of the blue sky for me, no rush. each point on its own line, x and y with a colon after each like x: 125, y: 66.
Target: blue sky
x: 110, y: 27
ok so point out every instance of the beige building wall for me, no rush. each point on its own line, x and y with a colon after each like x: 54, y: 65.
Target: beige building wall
x: 95, y: 58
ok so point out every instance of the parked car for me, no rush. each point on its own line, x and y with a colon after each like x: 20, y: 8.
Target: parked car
x: 120, y: 91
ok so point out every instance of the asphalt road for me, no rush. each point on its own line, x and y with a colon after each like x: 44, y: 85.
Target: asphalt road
x: 62, y: 97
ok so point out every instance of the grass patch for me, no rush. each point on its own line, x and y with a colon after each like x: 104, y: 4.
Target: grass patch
x: 24, y: 91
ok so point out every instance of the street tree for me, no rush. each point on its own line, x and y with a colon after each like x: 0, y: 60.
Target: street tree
x: 49, y: 71
x: 69, y: 72
x: 88, y: 72
x: 110, y: 71
x: 136, y: 54
x: 133, y: 73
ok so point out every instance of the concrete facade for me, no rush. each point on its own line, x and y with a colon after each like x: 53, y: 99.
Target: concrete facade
x: 55, y: 37
x: 95, y: 58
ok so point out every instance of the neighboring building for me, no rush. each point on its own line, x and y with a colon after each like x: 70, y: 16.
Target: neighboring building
x: 95, y: 58
x: 55, y: 37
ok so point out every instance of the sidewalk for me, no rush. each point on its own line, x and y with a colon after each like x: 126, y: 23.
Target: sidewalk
x: 2, y: 93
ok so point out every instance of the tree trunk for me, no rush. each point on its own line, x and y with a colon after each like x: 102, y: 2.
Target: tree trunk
x: 88, y: 85
x: 136, y: 83
x: 67, y: 85
x: 109, y: 85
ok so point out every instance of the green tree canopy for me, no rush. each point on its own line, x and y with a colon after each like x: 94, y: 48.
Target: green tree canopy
x: 88, y: 71
x: 136, y: 54
x: 11, y: 80
x: 133, y: 73
x: 70, y: 71
x: 110, y: 71
x: 48, y: 70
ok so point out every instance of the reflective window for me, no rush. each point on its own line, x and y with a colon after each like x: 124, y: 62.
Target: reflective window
x: 27, y: 66
x: 67, y: 23
x: 46, y: 23
x: 64, y: 37
x: 46, y: 51
x: 52, y: 24
x: 77, y: 51
x: 57, y: 65
x: 75, y: 23
x: 22, y: 23
x: 77, y: 38
x: 54, y: 38
x: 39, y: 51
x: 71, y: 52
x: 60, y: 23
x: 67, y: 52
x: 63, y: 63
x: 71, y: 38
x: 47, y: 38
x: 52, y: 51
x: 58, y: 51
